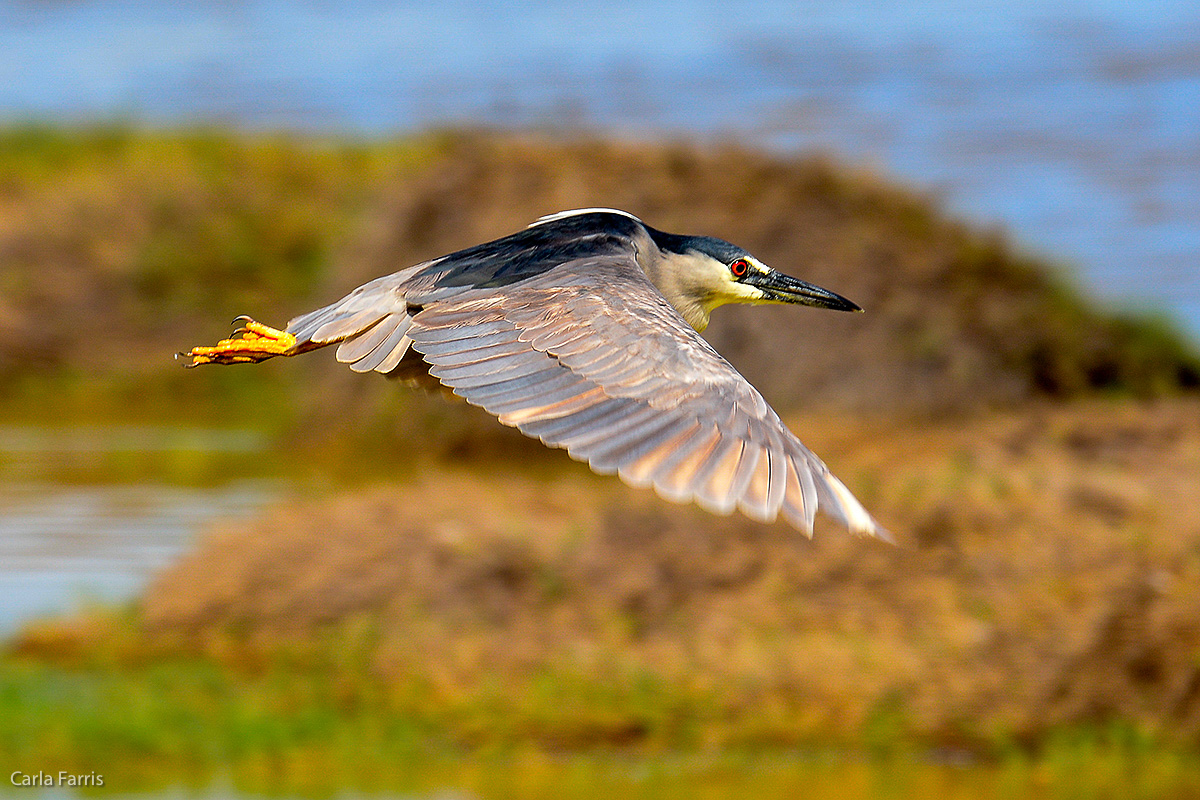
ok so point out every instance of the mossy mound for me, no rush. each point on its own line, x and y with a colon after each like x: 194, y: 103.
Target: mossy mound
x: 1046, y: 577
x: 121, y: 247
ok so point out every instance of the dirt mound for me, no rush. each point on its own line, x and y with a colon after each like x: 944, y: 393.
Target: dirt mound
x: 955, y: 317
x: 119, y: 248
x: 1048, y: 574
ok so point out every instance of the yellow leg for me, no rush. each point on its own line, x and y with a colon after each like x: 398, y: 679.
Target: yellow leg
x: 251, y: 343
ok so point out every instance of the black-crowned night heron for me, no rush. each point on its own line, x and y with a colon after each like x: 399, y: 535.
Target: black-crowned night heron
x: 581, y: 331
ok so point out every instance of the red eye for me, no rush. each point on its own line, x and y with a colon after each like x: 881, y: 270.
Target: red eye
x: 739, y: 268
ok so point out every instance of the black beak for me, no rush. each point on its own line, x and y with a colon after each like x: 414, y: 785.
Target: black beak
x: 786, y: 289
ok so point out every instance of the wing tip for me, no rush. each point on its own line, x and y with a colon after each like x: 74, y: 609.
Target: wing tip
x: 857, y: 519
x: 882, y: 534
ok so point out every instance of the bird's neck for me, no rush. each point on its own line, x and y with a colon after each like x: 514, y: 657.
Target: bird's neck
x: 668, y: 272
x: 694, y: 311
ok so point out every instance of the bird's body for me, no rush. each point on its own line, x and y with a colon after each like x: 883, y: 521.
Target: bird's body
x: 581, y: 331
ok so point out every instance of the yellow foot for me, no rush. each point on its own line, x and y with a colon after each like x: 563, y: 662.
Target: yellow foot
x: 251, y: 343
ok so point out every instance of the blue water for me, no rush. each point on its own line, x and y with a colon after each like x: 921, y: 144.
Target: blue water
x: 1076, y: 125
x: 62, y: 546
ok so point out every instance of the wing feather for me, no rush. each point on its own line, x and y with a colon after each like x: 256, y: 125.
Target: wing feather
x: 455, y: 358
x: 538, y: 384
x: 559, y: 410
x: 755, y: 497
x: 358, y: 348
x: 714, y: 478
x: 483, y: 373
x: 586, y: 354
x: 675, y: 477
x: 337, y: 326
x: 471, y: 344
x: 740, y: 485
x: 391, y: 348
x: 626, y: 453
x: 640, y: 471
x: 568, y: 418
x: 389, y: 364
x: 637, y: 425
x: 471, y: 331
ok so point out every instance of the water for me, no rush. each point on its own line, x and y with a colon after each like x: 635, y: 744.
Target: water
x: 62, y: 545
x: 1074, y: 124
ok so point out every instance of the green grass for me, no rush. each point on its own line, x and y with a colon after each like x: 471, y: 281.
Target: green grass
x: 195, y: 724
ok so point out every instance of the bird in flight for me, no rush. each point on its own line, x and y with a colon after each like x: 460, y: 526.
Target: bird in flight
x: 582, y: 330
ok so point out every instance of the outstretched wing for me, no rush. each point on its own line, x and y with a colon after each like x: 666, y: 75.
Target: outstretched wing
x: 587, y: 355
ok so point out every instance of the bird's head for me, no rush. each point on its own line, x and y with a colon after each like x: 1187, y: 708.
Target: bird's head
x: 699, y: 273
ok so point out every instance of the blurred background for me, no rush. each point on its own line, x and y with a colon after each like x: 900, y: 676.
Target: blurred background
x: 291, y: 579
x: 1074, y: 124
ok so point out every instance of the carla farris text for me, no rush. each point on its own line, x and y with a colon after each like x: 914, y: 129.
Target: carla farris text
x: 62, y: 778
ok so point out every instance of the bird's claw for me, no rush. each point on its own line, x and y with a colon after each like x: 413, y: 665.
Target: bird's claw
x: 249, y: 344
